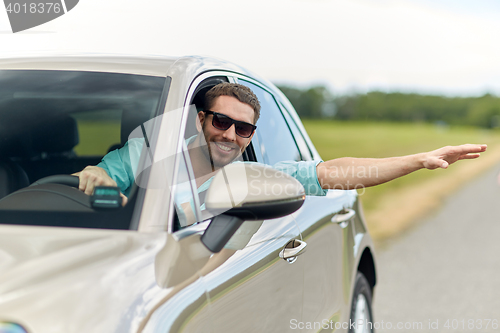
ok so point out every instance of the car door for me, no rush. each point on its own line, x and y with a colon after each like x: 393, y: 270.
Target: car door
x: 325, y: 223
x: 273, y: 298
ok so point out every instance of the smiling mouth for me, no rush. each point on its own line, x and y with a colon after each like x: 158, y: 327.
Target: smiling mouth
x: 224, y: 148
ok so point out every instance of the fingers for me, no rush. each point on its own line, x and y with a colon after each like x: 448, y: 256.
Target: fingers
x: 453, y: 153
x: 469, y: 151
x: 443, y: 157
x: 469, y: 156
x: 93, y: 176
x: 124, y: 199
x: 470, y: 148
x: 82, y: 186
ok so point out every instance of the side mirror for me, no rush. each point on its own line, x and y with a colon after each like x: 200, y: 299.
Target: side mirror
x: 248, y: 191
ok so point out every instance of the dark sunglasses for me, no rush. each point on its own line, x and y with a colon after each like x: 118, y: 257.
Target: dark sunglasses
x: 223, y: 122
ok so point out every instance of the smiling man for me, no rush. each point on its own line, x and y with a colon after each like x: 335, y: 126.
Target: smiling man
x: 226, y: 127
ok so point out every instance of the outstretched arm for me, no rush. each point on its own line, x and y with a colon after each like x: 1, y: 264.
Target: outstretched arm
x: 349, y: 173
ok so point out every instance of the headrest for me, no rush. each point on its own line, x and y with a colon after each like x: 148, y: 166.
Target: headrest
x: 55, y: 136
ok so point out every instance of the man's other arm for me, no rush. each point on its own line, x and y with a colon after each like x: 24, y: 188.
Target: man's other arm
x: 349, y: 173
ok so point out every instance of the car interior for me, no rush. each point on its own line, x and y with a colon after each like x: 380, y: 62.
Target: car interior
x: 49, y: 131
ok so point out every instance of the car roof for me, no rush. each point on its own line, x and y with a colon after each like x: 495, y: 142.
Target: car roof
x: 146, y: 65
x: 153, y: 65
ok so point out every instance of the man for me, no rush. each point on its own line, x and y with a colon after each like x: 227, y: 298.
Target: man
x: 226, y: 127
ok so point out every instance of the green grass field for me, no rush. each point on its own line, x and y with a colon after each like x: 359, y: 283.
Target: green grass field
x: 335, y: 139
x: 97, y: 137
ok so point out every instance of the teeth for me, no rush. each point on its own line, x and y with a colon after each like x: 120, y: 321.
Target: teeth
x: 223, y: 147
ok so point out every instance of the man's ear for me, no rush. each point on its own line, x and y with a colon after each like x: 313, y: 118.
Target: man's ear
x: 200, y: 120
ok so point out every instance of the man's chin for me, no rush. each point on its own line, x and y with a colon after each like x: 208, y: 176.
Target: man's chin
x: 221, y: 161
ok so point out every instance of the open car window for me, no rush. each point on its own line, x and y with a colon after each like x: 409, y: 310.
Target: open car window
x: 190, y: 200
x: 59, y: 122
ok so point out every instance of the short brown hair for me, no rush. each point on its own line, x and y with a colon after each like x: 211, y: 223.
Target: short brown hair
x: 240, y: 92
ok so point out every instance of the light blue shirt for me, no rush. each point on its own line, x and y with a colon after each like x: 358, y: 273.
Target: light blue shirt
x: 121, y: 165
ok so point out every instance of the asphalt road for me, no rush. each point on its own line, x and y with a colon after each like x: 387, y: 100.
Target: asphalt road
x: 444, y: 274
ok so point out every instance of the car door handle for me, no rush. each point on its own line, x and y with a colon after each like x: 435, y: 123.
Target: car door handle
x: 291, y: 250
x: 343, y: 217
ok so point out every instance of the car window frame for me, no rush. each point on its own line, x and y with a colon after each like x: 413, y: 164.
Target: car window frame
x: 278, y: 104
x: 295, y: 117
x: 256, y: 153
x: 140, y: 193
x: 308, y: 154
x: 182, y: 150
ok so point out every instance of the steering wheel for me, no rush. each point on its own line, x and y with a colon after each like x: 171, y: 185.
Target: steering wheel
x: 67, y: 180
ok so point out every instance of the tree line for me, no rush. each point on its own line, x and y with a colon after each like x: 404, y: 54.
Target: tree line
x: 319, y: 102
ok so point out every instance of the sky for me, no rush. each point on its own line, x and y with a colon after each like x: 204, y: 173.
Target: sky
x: 446, y: 47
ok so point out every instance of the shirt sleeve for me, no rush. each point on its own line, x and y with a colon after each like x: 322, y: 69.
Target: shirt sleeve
x: 121, y: 164
x: 305, y: 173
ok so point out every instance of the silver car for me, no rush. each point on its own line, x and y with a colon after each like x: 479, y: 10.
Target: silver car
x: 250, y: 258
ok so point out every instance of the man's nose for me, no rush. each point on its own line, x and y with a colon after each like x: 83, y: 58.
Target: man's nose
x: 230, y: 133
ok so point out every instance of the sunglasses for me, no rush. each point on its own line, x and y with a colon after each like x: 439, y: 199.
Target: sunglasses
x: 223, y: 122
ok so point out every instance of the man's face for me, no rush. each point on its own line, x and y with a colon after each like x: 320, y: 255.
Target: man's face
x: 224, y: 146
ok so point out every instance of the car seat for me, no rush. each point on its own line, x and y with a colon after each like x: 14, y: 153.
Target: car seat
x: 12, y: 177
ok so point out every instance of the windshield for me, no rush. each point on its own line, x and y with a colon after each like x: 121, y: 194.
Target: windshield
x: 57, y: 123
